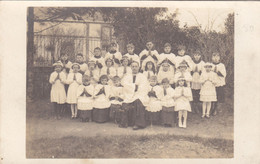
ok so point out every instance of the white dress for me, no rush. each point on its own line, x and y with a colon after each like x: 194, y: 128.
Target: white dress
x: 95, y: 73
x: 196, y: 76
x: 58, y: 93
x: 73, y: 86
x: 183, y: 102
x: 168, y: 99
x: 155, y: 104
x: 129, y: 88
x: 84, y: 102
x: 208, y: 89
x: 102, y: 101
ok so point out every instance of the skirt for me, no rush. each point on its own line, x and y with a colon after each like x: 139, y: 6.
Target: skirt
x: 85, y: 114
x: 196, y: 95
x: 167, y: 116
x: 100, y: 115
x: 220, y: 94
x: 115, y: 113
x: 153, y: 118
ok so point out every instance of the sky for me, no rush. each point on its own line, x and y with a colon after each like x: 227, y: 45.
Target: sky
x: 204, y: 17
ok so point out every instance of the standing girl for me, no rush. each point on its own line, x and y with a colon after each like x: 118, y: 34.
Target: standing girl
x: 197, y: 69
x: 58, y: 94
x: 74, y: 80
x: 208, y: 80
x: 183, y: 96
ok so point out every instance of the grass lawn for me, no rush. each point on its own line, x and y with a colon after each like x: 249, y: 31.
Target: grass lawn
x: 145, y: 146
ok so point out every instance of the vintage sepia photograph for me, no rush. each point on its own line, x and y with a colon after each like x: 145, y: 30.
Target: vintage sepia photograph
x: 129, y: 82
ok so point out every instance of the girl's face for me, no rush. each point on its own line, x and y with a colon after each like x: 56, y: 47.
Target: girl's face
x: 130, y: 50
x: 64, y: 57
x: 103, y: 81
x: 58, y: 68
x: 75, y: 68
x: 197, y: 57
x: 149, y: 45
x: 208, y: 69
x: 215, y: 59
x: 79, y: 59
x: 153, y: 82
x: 181, y: 83
x: 109, y: 63
x: 167, y: 49
x: 165, y: 68
x: 125, y: 63
x: 181, y: 52
x: 97, y: 52
x: 149, y: 66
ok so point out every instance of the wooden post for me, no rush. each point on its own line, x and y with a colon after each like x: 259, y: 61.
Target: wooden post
x: 30, y: 45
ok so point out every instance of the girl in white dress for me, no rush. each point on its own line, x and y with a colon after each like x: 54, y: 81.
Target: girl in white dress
x: 110, y: 70
x: 149, y: 69
x: 85, y: 94
x: 93, y: 71
x: 124, y: 69
x: 183, y: 72
x: 168, y: 103
x: 101, y: 103
x: 183, y: 96
x: 208, y: 80
x: 74, y: 80
x: 58, y: 94
x: 154, y: 106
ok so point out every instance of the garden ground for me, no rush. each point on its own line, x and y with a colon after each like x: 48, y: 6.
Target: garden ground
x: 66, y: 138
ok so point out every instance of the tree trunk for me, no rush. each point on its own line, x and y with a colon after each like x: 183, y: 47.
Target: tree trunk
x: 30, y: 45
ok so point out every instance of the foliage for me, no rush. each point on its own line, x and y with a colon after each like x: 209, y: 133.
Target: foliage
x: 138, y: 25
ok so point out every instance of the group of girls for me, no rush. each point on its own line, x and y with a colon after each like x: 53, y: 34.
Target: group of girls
x: 176, y: 84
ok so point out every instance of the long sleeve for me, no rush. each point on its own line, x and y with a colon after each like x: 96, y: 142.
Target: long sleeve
x: 70, y: 78
x: 63, y: 77
x: 79, y: 78
x: 53, y: 77
x: 222, y: 70
x: 80, y: 90
x: 203, y: 77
